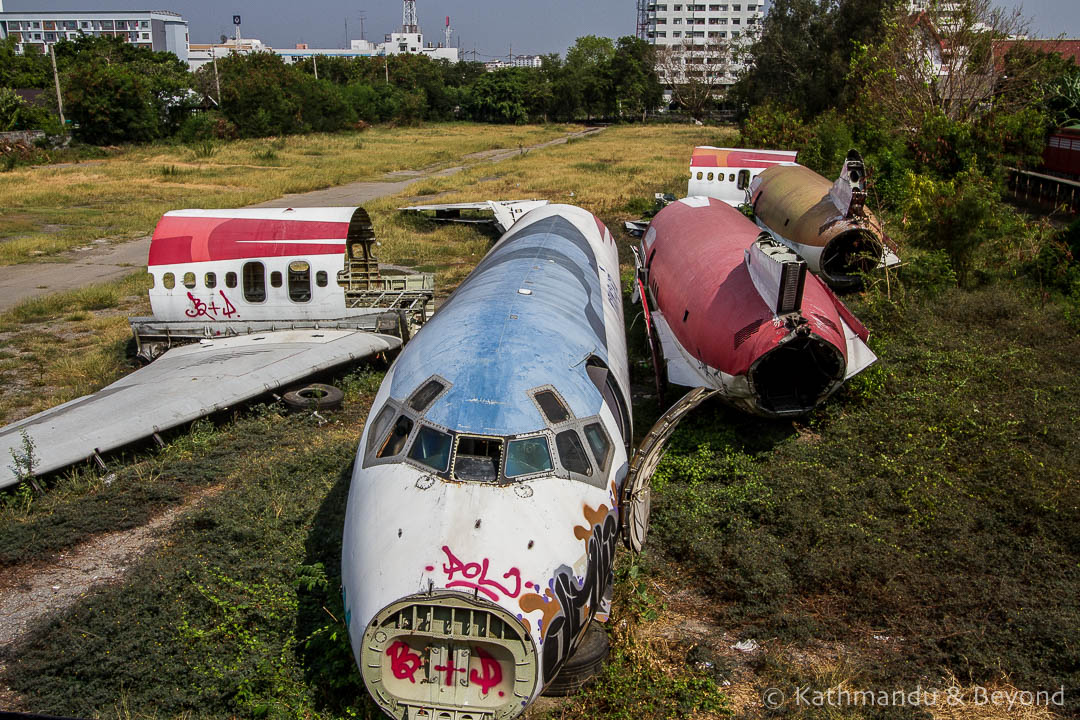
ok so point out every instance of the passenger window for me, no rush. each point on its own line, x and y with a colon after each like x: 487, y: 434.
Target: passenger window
x: 572, y: 452
x: 700, y: 175
x: 189, y: 280
x: 230, y: 280
x: 477, y: 459
x: 423, y: 397
x: 731, y: 177
x: 320, y: 278
x: 168, y: 281
x: 432, y: 448
x: 396, y: 442
x: 598, y: 441
x: 710, y: 176
x: 526, y: 456
x: 210, y: 279
x: 275, y: 278
x: 254, y: 282
x: 381, y: 425
x: 299, y: 281
x: 553, y: 409
x: 744, y: 179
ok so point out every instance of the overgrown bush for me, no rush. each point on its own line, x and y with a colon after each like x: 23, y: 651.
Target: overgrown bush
x: 956, y: 215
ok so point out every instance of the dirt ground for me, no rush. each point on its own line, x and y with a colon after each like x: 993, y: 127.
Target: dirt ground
x: 29, y: 593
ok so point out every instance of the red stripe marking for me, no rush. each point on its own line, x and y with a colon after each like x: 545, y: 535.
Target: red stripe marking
x: 199, y: 239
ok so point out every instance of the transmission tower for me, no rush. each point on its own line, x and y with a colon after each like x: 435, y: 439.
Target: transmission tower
x: 642, y: 19
x: 409, y: 22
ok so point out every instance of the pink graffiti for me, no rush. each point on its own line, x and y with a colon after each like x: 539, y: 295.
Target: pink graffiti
x: 211, y: 310
x: 492, y: 672
x: 474, y: 575
x: 403, y: 661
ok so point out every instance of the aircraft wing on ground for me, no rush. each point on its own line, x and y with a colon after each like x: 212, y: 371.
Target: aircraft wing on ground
x: 182, y: 385
x: 504, y: 212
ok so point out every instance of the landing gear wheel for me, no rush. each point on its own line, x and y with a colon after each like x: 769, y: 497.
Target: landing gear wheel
x: 584, y: 665
x: 315, y: 396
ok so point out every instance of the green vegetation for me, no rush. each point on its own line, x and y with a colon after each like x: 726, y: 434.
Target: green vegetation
x: 115, y: 92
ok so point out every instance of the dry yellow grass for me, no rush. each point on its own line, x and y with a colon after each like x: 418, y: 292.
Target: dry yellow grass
x: 46, y: 210
x: 58, y: 347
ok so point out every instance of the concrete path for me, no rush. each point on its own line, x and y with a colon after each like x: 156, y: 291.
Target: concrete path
x: 109, y: 262
x: 73, y: 270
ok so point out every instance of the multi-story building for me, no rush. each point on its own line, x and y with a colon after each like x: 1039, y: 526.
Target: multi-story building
x: 36, y: 30
x: 533, y: 61
x: 700, y: 40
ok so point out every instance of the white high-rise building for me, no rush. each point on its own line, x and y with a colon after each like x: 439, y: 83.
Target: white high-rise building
x: 36, y: 30
x: 700, y: 40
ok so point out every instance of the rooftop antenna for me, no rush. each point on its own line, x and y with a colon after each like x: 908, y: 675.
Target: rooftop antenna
x: 409, y: 22
x: 362, y: 14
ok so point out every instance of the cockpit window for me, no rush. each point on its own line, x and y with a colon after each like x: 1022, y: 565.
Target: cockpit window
x: 432, y: 448
x: 598, y: 441
x: 477, y: 458
x: 526, y: 456
x: 396, y: 442
x: 423, y: 397
x: 381, y: 425
x: 572, y: 452
x: 552, y: 406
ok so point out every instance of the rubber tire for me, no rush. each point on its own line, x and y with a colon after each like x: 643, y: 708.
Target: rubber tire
x: 316, y: 396
x: 584, y: 665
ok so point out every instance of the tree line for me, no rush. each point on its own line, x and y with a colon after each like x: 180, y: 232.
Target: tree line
x: 941, y: 107
x: 115, y: 92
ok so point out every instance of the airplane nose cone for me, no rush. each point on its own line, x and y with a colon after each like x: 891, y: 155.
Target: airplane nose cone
x: 448, y: 652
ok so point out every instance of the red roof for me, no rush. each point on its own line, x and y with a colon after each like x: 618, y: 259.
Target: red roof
x: 1067, y: 48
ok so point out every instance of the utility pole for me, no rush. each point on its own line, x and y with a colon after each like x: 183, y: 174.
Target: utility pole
x: 315, y: 64
x: 56, y: 79
x: 346, y: 46
x: 217, y: 81
x: 386, y: 67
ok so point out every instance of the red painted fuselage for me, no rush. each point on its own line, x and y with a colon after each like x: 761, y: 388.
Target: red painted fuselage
x: 722, y: 327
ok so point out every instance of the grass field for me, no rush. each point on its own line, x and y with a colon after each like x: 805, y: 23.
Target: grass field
x: 921, y: 530
x: 45, y: 210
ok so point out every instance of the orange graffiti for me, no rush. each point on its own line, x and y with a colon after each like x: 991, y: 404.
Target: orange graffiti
x: 593, y: 517
x: 550, y: 608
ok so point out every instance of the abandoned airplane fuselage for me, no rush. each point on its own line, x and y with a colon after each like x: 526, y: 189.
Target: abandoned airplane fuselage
x: 737, y: 312
x: 483, y: 512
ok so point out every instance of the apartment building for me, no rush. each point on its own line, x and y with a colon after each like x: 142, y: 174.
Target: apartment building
x: 35, y: 31
x: 697, y: 40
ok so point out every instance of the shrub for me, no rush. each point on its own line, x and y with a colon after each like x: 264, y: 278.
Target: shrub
x: 773, y: 126
x: 956, y: 215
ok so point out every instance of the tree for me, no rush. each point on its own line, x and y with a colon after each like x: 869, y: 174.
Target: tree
x: 30, y: 70
x: 633, y: 72
x: 499, y: 96
x: 945, y: 61
x: 802, y: 56
x: 587, y: 69
x: 695, y: 73
x: 117, y: 92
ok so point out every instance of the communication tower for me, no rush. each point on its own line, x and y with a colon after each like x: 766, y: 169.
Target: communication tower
x: 643, y: 19
x: 409, y: 23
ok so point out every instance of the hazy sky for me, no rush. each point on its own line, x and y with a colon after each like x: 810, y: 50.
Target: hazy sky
x: 491, y: 27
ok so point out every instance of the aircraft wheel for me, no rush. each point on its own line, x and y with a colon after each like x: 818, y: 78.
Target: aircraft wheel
x: 316, y: 396
x: 584, y: 665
